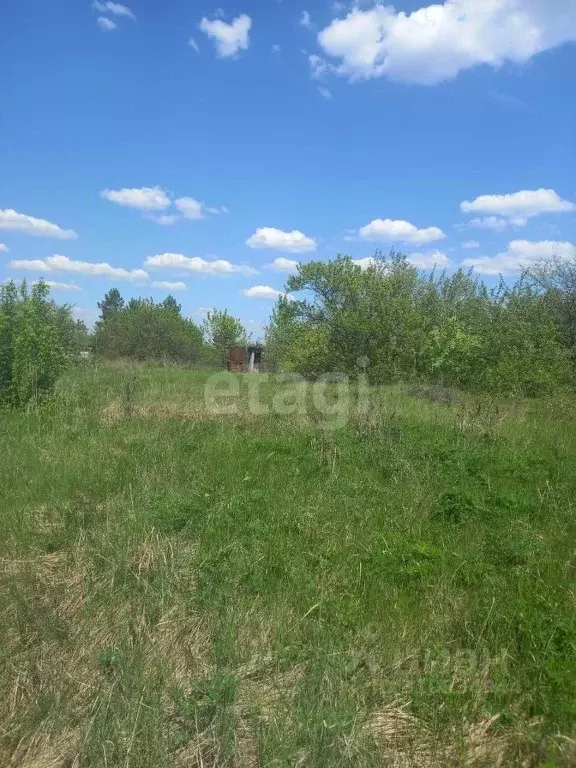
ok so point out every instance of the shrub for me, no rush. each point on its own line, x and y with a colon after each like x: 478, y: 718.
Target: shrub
x: 32, y: 354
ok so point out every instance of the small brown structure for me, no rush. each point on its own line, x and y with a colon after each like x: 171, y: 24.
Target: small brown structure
x: 245, y: 359
x: 237, y: 359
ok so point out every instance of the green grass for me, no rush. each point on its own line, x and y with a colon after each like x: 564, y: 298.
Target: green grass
x: 182, y: 589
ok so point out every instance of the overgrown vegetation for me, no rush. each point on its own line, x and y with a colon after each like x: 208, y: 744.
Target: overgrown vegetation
x: 37, y: 340
x: 145, y: 330
x: 438, y: 328
x: 183, y: 589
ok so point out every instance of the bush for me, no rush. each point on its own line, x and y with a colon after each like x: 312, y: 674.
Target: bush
x: 32, y: 354
x: 447, y: 330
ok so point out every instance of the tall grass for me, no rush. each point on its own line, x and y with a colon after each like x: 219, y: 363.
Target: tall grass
x: 181, y: 589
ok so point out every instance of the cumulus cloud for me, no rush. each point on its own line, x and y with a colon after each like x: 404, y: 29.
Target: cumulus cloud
x: 116, y: 9
x: 520, y: 254
x: 58, y: 263
x: 170, y: 286
x: 437, y: 41
x: 261, y: 292
x: 400, y: 231
x: 106, y: 24
x: 61, y: 286
x: 195, y: 264
x: 3, y: 248
x: 429, y: 259
x: 364, y: 263
x: 305, y: 20
x: 470, y: 244
x: 277, y: 240
x: 190, y: 208
x: 495, y: 223
x: 142, y: 198
x: 20, y: 222
x: 228, y: 38
x: 515, y: 208
x: 282, y: 264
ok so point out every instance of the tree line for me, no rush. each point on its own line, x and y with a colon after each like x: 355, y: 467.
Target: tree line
x: 445, y: 329
x: 406, y: 325
x: 39, y: 338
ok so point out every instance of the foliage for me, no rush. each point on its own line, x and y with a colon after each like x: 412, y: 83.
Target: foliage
x: 111, y: 303
x: 412, y: 326
x: 145, y: 330
x: 222, y: 331
x: 35, y: 337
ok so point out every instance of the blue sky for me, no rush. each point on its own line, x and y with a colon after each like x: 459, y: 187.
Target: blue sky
x: 206, y: 147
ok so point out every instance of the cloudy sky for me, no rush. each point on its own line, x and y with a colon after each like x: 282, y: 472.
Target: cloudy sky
x: 182, y: 147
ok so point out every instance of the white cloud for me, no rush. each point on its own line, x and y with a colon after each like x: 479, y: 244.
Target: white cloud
x: 190, y: 208
x: 197, y: 265
x: 142, y: 198
x: 228, y: 38
x: 20, y: 222
x: 305, y: 20
x: 116, y: 9
x: 170, y: 286
x: 520, y: 253
x: 261, y: 292
x: 324, y: 92
x: 429, y: 259
x: 492, y: 222
x: 276, y: 48
x: 318, y: 66
x: 517, y: 207
x: 436, y: 42
x: 64, y: 264
x: 277, y: 240
x: 282, y: 264
x: 193, y: 44
x: 106, y: 24
x: 424, y: 260
x: 469, y: 244
x: 399, y: 230
x: 195, y: 209
x: 61, y: 286
x: 3, y: 248
x: 368, y: 261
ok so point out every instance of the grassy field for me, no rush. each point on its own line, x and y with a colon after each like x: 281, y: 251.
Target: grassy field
x: 181, y: 588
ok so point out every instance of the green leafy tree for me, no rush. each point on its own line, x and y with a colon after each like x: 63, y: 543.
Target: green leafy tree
x: 32, y: 355
x: 144, y: 330
x: 222, y: 331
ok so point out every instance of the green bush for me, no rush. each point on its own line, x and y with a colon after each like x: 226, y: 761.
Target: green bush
x: 32, y: 353
x: 448, y: 330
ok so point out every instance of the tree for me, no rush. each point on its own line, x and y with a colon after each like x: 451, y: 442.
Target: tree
x: 32, y: 353
x: 556, y: 278
x: 413, y: 326
x: 171, y: 304
x: 144, y: 330
x: 222, y: 331
x: 110, y: 304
